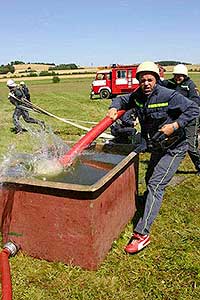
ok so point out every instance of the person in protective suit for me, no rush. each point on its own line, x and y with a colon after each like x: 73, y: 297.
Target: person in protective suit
x: 18, y: 99
x: 184, y: 85
x: 25, y: 90
x: 161, y: 112
x: 123, y: 129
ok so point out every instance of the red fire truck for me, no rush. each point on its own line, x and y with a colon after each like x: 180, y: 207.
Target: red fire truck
x: 116, y: 80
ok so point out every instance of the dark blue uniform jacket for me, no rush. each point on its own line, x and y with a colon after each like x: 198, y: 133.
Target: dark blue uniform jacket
x: 162, y: 106
x: 17, y: 93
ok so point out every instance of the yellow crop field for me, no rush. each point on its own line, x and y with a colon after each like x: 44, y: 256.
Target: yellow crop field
x: 37, y: 67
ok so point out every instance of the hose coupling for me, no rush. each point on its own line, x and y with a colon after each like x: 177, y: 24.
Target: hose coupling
x: 11, y: 247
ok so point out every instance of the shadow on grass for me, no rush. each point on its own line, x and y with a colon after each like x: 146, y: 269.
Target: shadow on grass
x: 185, y: 172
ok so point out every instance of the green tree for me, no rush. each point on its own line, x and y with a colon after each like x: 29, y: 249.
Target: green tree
x: 4, y: 69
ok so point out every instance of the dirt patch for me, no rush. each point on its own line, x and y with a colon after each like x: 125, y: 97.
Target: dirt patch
x: 176, y: 180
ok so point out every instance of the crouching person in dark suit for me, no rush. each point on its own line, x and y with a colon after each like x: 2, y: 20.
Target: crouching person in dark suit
x: 123, y: 129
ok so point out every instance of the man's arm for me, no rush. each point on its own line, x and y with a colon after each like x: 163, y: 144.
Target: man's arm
x: 189, y: 109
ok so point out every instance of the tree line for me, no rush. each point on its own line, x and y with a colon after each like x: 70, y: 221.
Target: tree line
x: 4, y: 69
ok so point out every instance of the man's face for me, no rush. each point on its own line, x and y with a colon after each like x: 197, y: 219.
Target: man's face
x: 179, y: 78
x: 147, y: 82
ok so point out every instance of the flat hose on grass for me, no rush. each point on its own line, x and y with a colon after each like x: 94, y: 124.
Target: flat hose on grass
x: 87, y: 139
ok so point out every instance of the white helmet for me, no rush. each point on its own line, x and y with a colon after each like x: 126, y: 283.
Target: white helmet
x: 180, y: 69
x: 11, y: 83
x: 148, y: 66
x: 22, y: 83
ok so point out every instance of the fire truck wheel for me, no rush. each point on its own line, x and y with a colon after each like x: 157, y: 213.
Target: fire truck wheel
x: 104, y: 94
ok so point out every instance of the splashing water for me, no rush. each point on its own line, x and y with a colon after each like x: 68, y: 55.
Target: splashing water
x: 48, y: 144
x: 43, y: 162
x: 15, y: 164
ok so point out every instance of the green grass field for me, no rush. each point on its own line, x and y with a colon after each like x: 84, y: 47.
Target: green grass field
x: 168, y: 269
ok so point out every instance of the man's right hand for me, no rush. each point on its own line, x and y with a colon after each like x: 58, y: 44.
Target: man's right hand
x: 112, y: 113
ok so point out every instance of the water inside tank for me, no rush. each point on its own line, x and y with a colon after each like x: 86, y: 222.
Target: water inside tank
x: 89, y: 168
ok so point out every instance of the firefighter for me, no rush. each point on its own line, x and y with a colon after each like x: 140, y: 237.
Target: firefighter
x: 18, y: 99
x: 123, y: 129
x: 25, y: 90
x: 161, y: 112
x: 184, y: 85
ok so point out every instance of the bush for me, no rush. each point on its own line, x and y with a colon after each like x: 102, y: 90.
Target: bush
x: 32, y: 74
x: 55, y: 79
x: 6, y: 69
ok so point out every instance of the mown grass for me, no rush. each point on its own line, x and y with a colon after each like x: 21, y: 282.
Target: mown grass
x: 168, y: 269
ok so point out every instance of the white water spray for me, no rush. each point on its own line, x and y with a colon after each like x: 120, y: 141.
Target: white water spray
x: 42, y: 163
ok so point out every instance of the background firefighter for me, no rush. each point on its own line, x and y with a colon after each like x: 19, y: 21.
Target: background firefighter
x: 16, y: 97
x: 25, y: 90
x: 184, y: 85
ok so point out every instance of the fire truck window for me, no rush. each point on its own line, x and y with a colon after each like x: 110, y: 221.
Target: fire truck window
x: 121, y: 74
x: 100, y: 76
x: 108, y: 76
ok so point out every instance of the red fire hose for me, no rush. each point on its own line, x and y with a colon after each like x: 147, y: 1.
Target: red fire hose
x: 87, y: 139
x: 5, y: 275
x: 10, y: 249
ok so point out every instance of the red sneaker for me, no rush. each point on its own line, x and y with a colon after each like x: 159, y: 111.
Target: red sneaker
x: 138, y: 242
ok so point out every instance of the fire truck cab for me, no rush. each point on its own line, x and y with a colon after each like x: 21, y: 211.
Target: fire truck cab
x: 116, y: 80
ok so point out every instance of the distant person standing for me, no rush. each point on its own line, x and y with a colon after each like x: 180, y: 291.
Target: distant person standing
x: 25, y: 90
x: 182, y: 83
x: 19, y: 100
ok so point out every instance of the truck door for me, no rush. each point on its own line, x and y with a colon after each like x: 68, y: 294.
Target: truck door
x: 119, y: 81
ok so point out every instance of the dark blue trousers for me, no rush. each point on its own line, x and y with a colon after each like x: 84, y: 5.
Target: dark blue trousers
x: 18, y: 112
x: 193, y: 144
x: 161, y: 168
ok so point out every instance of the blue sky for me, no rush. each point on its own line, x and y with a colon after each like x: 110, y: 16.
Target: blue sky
x: 99, y: 32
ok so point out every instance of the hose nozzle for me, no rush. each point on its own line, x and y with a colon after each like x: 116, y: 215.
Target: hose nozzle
x: 11, y: 247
